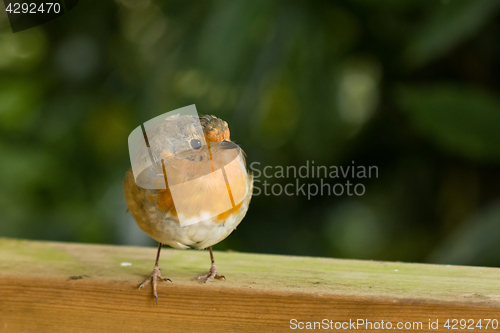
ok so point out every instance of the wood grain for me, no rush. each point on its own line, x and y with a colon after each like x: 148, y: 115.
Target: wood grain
x: 50, y: 287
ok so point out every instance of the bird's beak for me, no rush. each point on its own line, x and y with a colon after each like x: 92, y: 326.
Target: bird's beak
x: 228, y: 145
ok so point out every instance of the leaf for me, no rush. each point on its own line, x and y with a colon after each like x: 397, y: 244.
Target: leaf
x: 19, y: 101
x: 460, y: 120
x: 230, y: 32
x: 449, y: 25
x: 475, y: 242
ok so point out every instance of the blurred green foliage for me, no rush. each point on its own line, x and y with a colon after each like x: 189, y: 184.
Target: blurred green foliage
x: 409, y: 86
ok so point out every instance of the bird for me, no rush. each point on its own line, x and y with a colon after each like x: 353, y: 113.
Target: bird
x: 195, y: 191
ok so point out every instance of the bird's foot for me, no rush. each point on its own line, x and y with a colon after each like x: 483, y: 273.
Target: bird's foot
x: 212, y: 274
x: 155, y: 275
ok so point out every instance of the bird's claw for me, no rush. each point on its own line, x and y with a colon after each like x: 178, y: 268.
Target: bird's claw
x: 212, y: 274
x: 155, y: 275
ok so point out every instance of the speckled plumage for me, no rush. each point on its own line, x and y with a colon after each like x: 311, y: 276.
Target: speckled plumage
x: 154, y: 210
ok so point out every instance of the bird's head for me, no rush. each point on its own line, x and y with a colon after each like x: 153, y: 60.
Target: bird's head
x: 214, y: 129
x: 188, y: 147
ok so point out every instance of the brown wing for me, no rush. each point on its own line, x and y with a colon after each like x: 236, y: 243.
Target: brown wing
x: 145, y: 204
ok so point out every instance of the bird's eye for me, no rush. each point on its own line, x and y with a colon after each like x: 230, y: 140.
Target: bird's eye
x: 195, y: 144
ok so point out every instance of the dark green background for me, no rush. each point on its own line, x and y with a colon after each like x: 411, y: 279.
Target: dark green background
x: 409, y: 86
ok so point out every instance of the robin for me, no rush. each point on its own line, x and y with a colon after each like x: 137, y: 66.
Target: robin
x: 200, y: 189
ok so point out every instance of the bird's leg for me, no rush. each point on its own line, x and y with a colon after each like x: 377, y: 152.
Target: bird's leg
x: 155, y: 275
x: 213, y: 271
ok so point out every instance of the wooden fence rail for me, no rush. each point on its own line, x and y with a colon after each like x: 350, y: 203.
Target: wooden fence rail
x: 61, y: 287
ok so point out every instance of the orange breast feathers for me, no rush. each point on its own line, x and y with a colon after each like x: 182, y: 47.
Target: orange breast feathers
x: 206, y: 191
